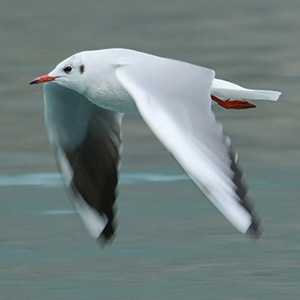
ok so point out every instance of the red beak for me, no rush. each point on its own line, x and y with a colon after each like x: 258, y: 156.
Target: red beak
x: 42, y: 79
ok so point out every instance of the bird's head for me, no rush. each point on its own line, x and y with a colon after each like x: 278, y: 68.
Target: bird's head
x: 69, y: 73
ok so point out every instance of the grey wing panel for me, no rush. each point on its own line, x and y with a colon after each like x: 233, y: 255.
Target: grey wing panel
x: 87, y: 143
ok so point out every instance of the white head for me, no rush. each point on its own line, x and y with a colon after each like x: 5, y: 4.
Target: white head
x: 70, y: 73
x: 92, y: 74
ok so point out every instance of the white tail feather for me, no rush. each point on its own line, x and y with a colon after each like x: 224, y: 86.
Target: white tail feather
x: 227, y: 90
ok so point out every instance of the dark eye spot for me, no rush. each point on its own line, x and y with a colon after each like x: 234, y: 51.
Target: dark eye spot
x: 67, y: 69
x: 81, y: 69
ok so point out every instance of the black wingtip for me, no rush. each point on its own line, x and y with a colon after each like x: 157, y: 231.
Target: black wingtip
x: 255, y: 230
x: 105, y: 241
x: 107, y: 235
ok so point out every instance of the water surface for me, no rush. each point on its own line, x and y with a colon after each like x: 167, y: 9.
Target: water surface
x: 171, y: 242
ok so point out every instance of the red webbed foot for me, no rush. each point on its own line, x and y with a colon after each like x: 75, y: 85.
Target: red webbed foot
x: 233, y: 104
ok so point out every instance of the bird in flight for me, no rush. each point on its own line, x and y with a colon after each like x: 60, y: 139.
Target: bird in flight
x: 86, y: 96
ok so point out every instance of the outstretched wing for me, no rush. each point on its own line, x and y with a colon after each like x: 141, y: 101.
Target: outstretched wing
x: 174, y: 99
x: 87, y: 144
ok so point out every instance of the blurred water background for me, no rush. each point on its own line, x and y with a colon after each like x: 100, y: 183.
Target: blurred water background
x: 171, y: 242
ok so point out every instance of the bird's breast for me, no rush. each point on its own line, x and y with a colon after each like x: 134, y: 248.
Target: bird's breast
x: 112, y: 96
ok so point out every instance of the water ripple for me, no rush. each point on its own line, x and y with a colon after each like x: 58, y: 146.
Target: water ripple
x: 55, y: 179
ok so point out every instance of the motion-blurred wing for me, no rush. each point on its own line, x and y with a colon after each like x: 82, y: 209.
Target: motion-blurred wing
x: 86, y: 140
x: 174, y: 100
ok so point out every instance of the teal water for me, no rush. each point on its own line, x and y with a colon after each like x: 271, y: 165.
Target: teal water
x: 171, y: 243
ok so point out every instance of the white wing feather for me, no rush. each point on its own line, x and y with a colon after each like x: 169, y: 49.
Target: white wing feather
x: 174, y: 100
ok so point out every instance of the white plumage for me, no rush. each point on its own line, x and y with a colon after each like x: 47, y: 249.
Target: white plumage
x: 85, y: 102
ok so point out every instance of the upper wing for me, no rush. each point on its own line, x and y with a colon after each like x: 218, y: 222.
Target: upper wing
x: 87, y: 144
x: 174, y: 99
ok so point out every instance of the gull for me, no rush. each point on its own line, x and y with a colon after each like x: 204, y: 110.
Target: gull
x: 86, y: 96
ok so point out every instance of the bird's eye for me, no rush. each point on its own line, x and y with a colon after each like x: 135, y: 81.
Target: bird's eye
x: 67, y: 69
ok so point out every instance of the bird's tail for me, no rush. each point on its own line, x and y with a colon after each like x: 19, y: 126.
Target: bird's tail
x: 226, y: 90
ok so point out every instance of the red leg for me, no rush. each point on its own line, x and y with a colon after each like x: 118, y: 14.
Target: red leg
x: 233, y: 104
